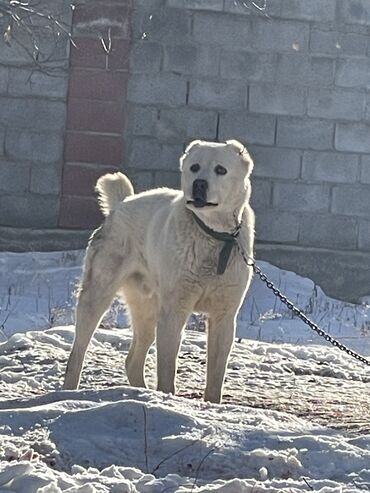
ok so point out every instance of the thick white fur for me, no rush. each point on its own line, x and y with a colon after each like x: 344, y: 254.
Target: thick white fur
x: 151, y: 250
x: 112, y: 188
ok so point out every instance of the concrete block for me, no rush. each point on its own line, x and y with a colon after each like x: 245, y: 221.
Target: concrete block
x: 304, y: 70
x: 42, y: 240
x: 144, y: 154
x: 332, y: 167
x: 170, y: 179
x: 13, y: 54
x: 222, y: 29
x: 323, y: 266
x: 280, y: 35
x: 212, y: 5
x: 170, y: 156
x: 34, y: 146
x: 24, y: 82
x: 148, y: 154
x: 142, y: 120
x: 32, y: 211
x: 58, y: 8
x: 281, y: 227
x: 328, y: 230
x: 273, y: 162
x: 335, y: 104
x: 248, y: 65
x: 166, y: 89
x: 365, y: 169
x: 306, y: 134
x: 185, y: 124
x: 222, y: 94
x: 249, y: 128
x: 354, y: 11
x: 353, y: 72
x: 4, y: 75
x: 14, y: 176
x: 351, y: 200
x: 276, y: 99
x: 149, y: 4
x: 46, y: 179
x: 301, y: 197
x: 338, y: 43
x: 367, y: 107
x: 314, y: 10
x: 188, y: 59
x: 145, y: 57
x: 35, y: 114
x: 142, y: 180
x: 162, y: 25
x: 352, y: 137
x: 261, y: 193
x: 364, y: 235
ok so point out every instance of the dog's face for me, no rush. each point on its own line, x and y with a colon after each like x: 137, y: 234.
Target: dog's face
x: 215, y: 175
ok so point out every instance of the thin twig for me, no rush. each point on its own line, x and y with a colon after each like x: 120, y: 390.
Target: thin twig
x: 199, y: 466
x: 308, y: 484
x: 261, y: 7
x: 173, y: 454
x: 19, y: 17
x: 145, y: 440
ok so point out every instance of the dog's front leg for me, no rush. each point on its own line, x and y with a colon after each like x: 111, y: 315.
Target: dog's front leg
x: 169, y: 332
x: 221, y: 332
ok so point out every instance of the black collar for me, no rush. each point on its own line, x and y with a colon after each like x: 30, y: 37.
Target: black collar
x: 229, y: 239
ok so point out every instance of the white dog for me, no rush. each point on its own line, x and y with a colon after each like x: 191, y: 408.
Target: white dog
x: 171, y: 253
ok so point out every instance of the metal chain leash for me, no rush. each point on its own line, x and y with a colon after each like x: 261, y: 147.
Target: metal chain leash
x: 251, y: 263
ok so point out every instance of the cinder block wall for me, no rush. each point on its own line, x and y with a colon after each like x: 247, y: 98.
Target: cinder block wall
x: 32, y: 121
x: 294, y: 88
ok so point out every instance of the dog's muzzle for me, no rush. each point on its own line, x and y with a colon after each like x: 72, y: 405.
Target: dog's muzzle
x: 199, y: 192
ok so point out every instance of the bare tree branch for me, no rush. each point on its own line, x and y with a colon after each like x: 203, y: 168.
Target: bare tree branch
x: 30, y: 25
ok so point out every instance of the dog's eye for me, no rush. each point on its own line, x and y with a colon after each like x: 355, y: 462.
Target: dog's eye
x: 220, y: 170
x: 194, y: 168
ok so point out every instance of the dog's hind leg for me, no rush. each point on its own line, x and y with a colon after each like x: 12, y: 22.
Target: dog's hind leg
x: 102, y: 278
x: 144, y: 315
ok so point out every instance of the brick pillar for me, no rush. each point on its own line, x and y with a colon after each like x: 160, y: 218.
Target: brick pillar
x: 96, y: 107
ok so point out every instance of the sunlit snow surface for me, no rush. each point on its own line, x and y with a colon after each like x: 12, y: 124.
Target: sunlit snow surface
x: 296, y: 412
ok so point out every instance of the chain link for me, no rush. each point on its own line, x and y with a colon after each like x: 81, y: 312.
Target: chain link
x: 251, y: 263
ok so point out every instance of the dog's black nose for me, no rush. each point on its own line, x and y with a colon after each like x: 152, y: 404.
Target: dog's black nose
x: 200, y: 188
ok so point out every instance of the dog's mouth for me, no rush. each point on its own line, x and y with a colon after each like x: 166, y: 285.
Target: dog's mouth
x: 200, y: 203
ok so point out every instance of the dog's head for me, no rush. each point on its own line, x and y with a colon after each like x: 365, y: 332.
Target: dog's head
x: 215, y: 176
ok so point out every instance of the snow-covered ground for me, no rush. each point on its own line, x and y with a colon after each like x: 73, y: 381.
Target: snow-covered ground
x: 295, y: 417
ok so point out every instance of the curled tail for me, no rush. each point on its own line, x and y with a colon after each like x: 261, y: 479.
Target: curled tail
x: 112, y: 188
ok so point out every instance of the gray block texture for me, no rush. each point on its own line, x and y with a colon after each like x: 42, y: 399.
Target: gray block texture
x: 326, y: 230
x: 301, y: 197
x: 331, y: 167
x: 305, y: 133
x: 32, y: 121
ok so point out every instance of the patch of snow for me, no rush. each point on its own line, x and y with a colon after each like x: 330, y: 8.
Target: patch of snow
x: 295, y: 416
x: 37, y: 291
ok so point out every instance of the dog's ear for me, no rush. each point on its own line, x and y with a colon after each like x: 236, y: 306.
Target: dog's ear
x: 242, y: 151
x: 190, y: 146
